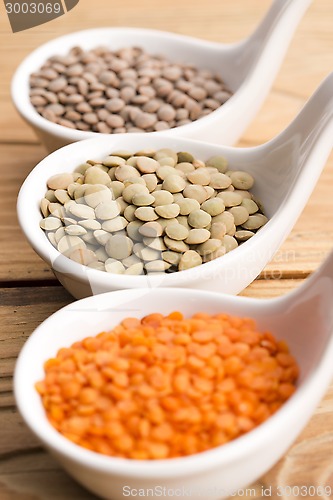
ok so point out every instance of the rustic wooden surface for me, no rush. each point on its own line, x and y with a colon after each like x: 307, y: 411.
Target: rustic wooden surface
x: 28, y: 290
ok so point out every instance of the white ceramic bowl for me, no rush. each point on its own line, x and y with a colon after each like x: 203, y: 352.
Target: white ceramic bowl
x: 285, y: 171
x: 219, y: 472
x: 248, y: 67
x: 230, y: 274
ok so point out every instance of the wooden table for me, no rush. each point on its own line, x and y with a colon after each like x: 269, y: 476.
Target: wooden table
x: 29, y: 292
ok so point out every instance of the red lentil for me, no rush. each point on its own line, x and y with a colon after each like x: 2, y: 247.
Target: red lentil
x: 167, y: 386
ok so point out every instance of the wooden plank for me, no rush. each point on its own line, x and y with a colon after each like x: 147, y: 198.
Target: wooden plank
x: 13, y: 128
x: 17, y: 260
x: 41, y: 484
x: 311, y: 238
x: 21, y: 310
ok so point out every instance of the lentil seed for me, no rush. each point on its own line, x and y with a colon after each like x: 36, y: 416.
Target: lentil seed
x: 240, y: 215
x: 95, y: 194
x: 82, y: 211
x: 107, y: 210
x: 220, y: 181
x: 119, y: 246
x: 132, y: 230
x: 189, y: 259
x: 188, y: 205
x: 67, y: 244
x: 196, y: 192
x: 75, y: 230
x: 151, y: 181
x: 199, y: 176
x: 157, y: 216
x: 121, y: 392
x: 156, y: 88
x: 214, y: 206
x: 199, y: 219
x: 250, y: 206
x: 50, y: 223
x: 155, y: 243
x: 255, y: 221
x: 172, y: 257
x: 151, y: 229
x: 241, y: 180
x: 167, y: 211
x: 218, y: 162
x: 175, y: 245
x: 44, y: 204
x: 129, y: 213
x: 146, y: 214
x: 95, y: 175
x: 114, y: 225
x: 145, y: 253
x: 162, y: 197
x: 229, y: 243
x: 197, y: 236
x: 243, y: 235
x: 59, y: 181
x: 157, y: 266
x: 230, y: 199
x: 135, y: 269
x: 147, y: 165
x: 114, y: 266
x: 91, y: 224
x: 218, y: 230
x: 209, y: 246
x: 143, y: 199
x: 177, y: 232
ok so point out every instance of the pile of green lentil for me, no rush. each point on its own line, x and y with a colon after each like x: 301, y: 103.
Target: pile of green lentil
x: 127, y: 90
x: 150, y: 212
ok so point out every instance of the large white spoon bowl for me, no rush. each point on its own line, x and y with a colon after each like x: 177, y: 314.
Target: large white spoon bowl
x: 248, y: 68
x: 285, y: 170
x: 303, y: 318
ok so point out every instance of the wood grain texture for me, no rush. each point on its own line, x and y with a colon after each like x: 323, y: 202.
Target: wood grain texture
x: 27, y: 472
x: 17, y: 260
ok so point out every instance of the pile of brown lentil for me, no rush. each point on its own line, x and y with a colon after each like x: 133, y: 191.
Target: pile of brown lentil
x: 127, y: 90
x: 167, y: 387
x: 151, y: 212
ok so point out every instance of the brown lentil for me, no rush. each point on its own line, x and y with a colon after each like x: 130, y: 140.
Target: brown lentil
x: 127, y: 90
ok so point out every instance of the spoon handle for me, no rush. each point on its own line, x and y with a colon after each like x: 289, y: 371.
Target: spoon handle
x: 312, y: 130
x: 324, y: 271
x: 263, y: 51
x: 254, y: 62
x: 313, y: 126
x: 287, y: 14
x: 316, y: 292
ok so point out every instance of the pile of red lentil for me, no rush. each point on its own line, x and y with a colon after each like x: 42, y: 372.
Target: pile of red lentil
x: 167, y: 386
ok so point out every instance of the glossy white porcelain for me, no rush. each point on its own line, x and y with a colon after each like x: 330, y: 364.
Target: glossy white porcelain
x: 285, y: 170
x: 248, y: 67
x: 304, y: 318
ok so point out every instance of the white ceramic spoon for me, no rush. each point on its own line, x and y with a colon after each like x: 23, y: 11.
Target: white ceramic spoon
x: 248, y: 67
x: 303, y: 317
x: 285, y: 169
